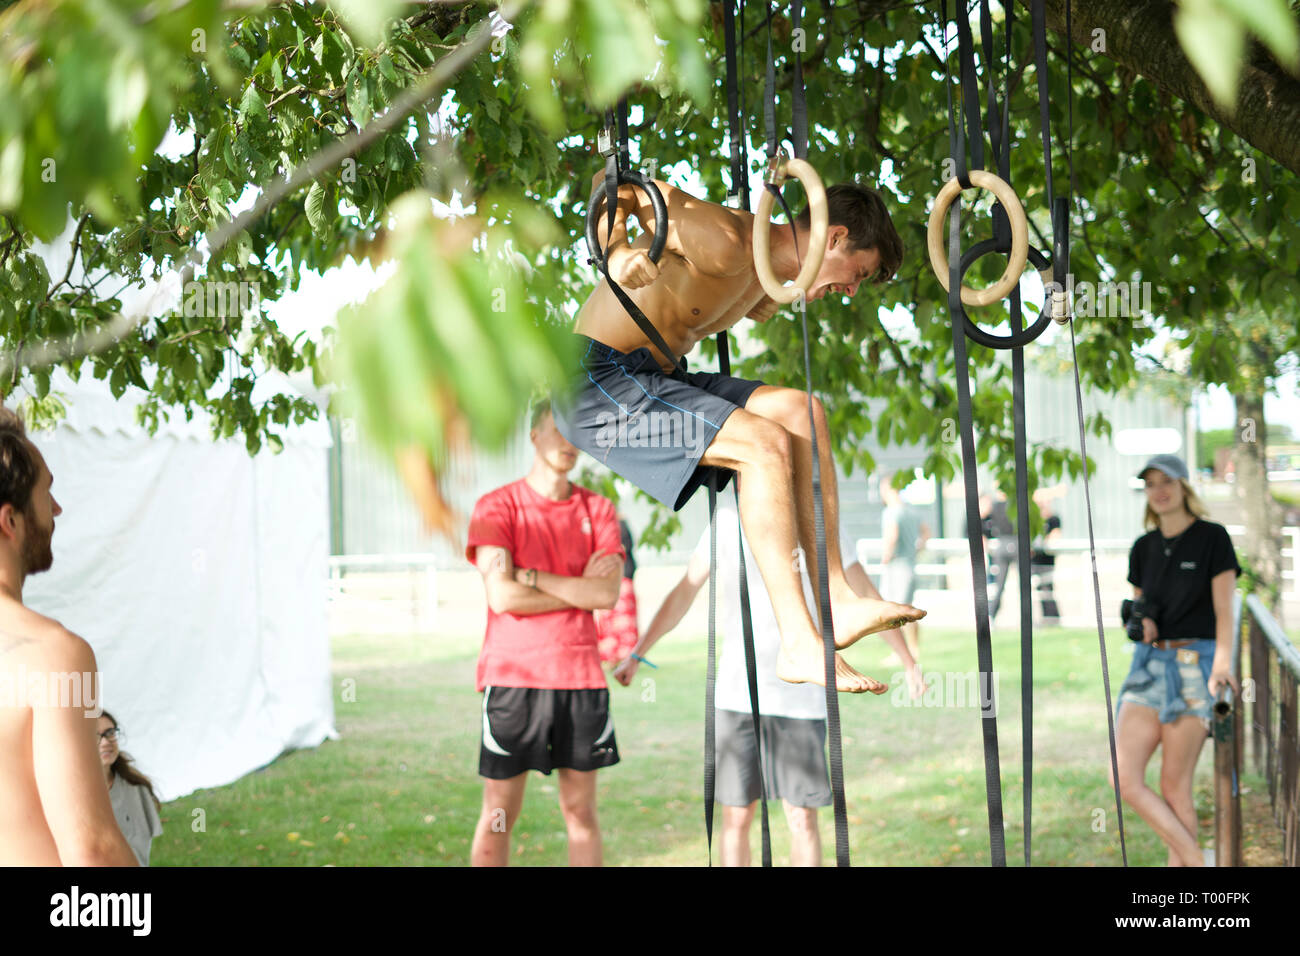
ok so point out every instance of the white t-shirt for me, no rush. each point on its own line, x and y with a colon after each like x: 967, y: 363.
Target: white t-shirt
x: 776, y: 698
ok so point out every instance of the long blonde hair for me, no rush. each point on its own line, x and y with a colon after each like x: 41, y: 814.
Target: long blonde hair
x: 1191, y: 501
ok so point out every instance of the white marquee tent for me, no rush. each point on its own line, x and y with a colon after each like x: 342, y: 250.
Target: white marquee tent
x: 197, y: 574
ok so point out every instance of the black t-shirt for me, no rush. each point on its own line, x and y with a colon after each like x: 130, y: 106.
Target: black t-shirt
x: 1040, y: 556
x: 1180, y: 583
x: 629, y: 562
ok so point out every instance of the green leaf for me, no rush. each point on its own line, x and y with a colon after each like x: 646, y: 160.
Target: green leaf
x: 252, y: 105
x: 358, y: 99
x: 1275, y: 25
x: 315, y: 208
x: 1215, y: 42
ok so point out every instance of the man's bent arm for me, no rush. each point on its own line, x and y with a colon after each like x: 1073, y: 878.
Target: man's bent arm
x: 69, y: 774
x: 505, y: 595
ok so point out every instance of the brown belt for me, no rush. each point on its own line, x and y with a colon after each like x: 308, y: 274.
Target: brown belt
x: 1170, y: 645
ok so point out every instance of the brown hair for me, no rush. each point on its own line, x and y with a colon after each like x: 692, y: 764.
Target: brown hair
x: 1192, y: 503
x: 18, y: 471
x: 541, y: 408
x: 863, y: 213
x: 124, y: 768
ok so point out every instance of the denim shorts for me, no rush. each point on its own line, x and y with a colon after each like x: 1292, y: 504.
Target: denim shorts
x: 1172, y: 681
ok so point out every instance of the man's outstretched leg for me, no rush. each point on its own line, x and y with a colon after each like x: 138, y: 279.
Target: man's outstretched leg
x: 854, y: 616
x: 759, y: 450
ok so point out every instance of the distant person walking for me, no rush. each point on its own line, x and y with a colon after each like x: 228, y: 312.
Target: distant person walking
x: 1002, y: 548
x: 904, y: 537
x: 1042, y: 559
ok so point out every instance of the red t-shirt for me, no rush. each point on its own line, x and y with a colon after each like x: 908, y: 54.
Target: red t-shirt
x: 557, y: 650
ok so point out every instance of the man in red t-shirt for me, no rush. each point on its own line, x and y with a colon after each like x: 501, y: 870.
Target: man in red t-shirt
x: 550, y: 553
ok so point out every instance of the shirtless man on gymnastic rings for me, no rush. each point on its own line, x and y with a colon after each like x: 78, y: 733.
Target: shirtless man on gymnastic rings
x: 667, y: 431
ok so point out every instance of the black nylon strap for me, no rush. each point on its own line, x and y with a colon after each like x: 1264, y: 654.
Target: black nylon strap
x: 746, y: 621
x: 1000, y: 140
x: 970, y: 96
x: 1063, y: 236
x: 833, y: 733
x: 769, y: 88
x: 751, y: 675
x: 799, y: 116
x: 833, y: 729
x: 739, y: 177
x: 1096, y: 588
x: 624, y: 147
x: 979, y: 569
x: 711, y: 674
x: 1023, y: 573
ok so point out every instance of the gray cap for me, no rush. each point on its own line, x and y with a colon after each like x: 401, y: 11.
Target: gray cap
x: 1171, y: 465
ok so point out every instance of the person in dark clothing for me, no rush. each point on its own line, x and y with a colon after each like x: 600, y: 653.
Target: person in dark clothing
x: 1183, y: 572
x: 1001, y: 548
x: 617, y: 627
x: 1044, y: 561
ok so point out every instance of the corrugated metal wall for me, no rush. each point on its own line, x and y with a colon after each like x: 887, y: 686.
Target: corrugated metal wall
x: 372, y: 513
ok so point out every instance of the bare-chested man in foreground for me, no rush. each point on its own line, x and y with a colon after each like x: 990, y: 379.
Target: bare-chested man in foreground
x: 54, y: 804
x: 667, y: 432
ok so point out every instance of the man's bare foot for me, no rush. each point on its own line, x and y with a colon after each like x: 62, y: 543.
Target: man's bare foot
x: 805, y: 663
x: 856, y: 618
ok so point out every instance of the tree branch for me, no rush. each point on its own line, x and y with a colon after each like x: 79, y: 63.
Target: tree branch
x: 72, y: 257
x: 413, y: 97
x: 1140, y: 36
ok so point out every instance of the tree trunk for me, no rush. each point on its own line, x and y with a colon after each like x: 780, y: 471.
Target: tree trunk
x: 1140, y: 35
x: 1249, y: 455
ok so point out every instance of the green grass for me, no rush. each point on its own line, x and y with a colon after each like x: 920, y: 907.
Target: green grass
x: 401, y: 788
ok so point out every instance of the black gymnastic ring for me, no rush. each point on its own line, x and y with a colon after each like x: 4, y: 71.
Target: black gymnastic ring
x: 628, y: 176
x: 1016, y: 339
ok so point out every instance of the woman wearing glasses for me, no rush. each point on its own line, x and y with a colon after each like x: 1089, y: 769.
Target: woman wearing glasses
x: 134, y: 803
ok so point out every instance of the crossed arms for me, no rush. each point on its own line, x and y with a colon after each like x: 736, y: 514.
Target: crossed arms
x: 523, y: 591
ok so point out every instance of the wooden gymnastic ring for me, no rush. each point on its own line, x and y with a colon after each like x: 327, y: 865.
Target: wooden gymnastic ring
x: 818, y: 225
x: 1019, y: 237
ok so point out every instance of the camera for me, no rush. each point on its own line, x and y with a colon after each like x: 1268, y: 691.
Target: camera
x: 1132, y: 612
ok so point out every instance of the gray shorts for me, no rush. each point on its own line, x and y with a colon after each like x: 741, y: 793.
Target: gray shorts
x: 898, y: 582
x: 794, y: 760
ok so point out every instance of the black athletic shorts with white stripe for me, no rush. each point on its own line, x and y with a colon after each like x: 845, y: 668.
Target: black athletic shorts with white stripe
x: 525, y: 728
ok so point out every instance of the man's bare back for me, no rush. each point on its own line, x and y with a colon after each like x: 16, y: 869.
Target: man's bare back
x: 54, y: 803
x: 52, y: 775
